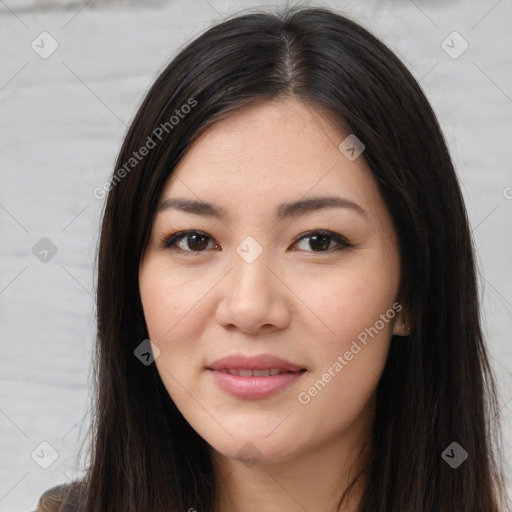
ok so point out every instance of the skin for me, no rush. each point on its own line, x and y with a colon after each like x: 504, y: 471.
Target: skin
x: 298, y: 300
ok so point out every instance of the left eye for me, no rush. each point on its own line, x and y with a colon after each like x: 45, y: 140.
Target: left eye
x: 197, y: 241
x: 323, y: 240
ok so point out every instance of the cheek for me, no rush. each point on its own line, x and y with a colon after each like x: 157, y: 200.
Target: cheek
x: 357, y: 307
x: 176, y: 310
x: 351, y: 300
x: 170, y: 300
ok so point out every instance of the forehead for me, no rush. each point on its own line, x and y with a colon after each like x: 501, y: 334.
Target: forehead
x: 271, y: 152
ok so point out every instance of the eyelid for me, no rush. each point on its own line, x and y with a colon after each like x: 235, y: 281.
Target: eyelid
x: 169, y: 239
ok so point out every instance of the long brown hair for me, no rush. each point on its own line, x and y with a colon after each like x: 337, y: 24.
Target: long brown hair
x: 437, y: 387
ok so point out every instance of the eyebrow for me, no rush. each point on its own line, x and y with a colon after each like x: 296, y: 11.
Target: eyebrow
x: 285, y: 210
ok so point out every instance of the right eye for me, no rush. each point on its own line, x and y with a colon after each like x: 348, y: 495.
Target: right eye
x: 187, y: 241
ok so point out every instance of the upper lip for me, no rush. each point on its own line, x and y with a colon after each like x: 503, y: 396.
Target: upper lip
x: 260, y: 362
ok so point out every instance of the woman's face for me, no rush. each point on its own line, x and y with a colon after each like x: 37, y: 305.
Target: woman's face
x: 272, y: 269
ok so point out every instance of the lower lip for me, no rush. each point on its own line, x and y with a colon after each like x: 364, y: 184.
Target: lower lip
x: 254, y: 387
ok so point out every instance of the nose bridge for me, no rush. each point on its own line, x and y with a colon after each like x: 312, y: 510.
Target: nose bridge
x: 251, y: 274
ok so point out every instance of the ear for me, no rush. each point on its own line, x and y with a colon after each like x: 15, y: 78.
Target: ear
x: 401, y: 326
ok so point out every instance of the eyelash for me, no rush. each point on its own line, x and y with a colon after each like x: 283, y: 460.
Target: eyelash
x: 169, y: 240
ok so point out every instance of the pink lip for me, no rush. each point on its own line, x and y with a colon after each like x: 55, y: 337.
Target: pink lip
x: 254, y: 387
x: 260, y: 362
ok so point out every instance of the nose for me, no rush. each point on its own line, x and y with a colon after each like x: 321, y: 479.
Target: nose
x: 254, y: 299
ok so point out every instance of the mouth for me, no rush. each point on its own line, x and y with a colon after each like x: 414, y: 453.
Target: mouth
x: 261, y: 362
x: 254, y: 377
x: 246, y: 372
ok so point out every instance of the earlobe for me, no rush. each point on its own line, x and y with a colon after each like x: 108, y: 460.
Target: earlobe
x: 401, y: 327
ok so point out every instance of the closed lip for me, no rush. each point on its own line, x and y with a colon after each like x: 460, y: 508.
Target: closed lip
x: 259, y: 362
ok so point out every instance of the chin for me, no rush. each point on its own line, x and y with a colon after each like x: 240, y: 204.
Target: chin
x: 254, y: 450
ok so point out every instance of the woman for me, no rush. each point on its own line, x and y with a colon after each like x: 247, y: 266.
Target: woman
x: 286, y: 226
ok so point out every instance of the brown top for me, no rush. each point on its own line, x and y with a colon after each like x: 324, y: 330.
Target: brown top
x: 61, y: 498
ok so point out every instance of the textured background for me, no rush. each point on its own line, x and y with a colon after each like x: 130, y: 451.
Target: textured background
x: 61, y: 124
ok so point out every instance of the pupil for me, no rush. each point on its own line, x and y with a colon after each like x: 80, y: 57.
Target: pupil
x: 315, y: 238
x: 197, y: 246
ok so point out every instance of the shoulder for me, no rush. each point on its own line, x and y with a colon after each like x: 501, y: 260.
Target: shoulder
x: 61, y: 498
